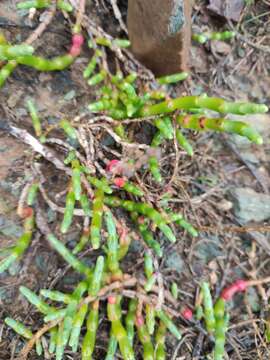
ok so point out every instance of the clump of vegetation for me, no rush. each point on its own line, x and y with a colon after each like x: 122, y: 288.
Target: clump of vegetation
x: 133, y: 305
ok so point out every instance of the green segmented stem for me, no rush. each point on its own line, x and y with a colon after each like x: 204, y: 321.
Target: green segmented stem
x: 169, y: 324
x: 187, y: 226
x: 97, y: 218
x: 131, y: 77
x: 68, y: 129
x: 12, y: 52
x: 32, y: 194
x: 117, y: 114
x: 112, y: 243
x: 19, y: 328
x: 116, y: 79
x: 55, y: 315
x: 56, y: 296
x: 145, y: 210
x: 123, y: 43
x: 69, y: 210
x: 147, y: 236
x: 132, y: 189
x: 70, y: 157
x: 203, y: 37
x: 121, y: 131
x: 150, y: 318
x: 154, y: 168
x: 35, y: 300
x: 129, y: 103
x: 157, y: 139
x: 17, y: 251
x: 267, y: 331
x: 128, y: 89
x: 145, y: 340
x: 35, y: 118
x: 157, y: 95
x: 160, y: 338
x: 37, y: 4
x: 103, y: 41
x: 53, y: 337
x: 201, y: 123
x: 183, y: 142
x: 76, y: 327
x: 200, y: 38
x: 174, y: 290
x: 92, y: 64
x: 199, y: 312
x: 114, y: 315
x: 178, y: 219
x: 67, y: 255
x: 21, y: 245
x: 69, y: 318
x: 60, y: 346
x: 85, y: 205
x: 174, y: 78
x: 100, y: 184
x: 112, y: 347
x: 211, y: 103
x: 130, y: 319
x: 96, y: 278
x: 220, y: 329
x: 76, y: 179
x: 209, y: 316
x: 148, y: 265
x: 82, y: 243
x: 100, y: 105
x: 124, y: 242
x: 6, y: 71
x: 98, y: 78
x: 164, y: 125
x: 55, y: 64
x: 150, y: 283
x: 64, y: 5
x: 39, y: 348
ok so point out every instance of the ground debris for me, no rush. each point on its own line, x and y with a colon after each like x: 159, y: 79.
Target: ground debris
x: 231, y: 10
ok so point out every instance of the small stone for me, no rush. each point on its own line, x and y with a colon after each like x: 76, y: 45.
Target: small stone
x: 175, y: 262
x: 209, y: 249
x: 225, y: 205
x: 10, y: 228
x: 253, y: 299
x: 250, y: 205
x: 70, y: 95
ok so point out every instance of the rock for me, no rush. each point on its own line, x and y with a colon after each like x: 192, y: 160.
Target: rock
x: 9, y: 228
x: 250, y: 205
x: 253, y: 299
x: 175, y: 262
x: 160, y: 33
x: 209, y: 249
x: 230, y: 10
x: 259, y: 122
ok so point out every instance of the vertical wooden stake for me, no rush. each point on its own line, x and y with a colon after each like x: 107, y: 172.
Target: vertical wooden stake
x: 160, y: 33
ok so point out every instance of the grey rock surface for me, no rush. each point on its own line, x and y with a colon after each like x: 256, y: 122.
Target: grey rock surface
x: 250, y: 205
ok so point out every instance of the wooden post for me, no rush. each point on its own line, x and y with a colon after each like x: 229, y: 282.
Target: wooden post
x: 160, y: 33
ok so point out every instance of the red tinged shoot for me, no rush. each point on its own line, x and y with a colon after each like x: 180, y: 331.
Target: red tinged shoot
x: 238, y: 286
x: 76, y: 45
x: 187, y: 313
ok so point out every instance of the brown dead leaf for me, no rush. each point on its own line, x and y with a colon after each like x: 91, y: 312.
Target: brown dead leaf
x: 229, y: 9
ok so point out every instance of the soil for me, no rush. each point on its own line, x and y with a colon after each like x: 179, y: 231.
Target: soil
x: 226, y: 249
